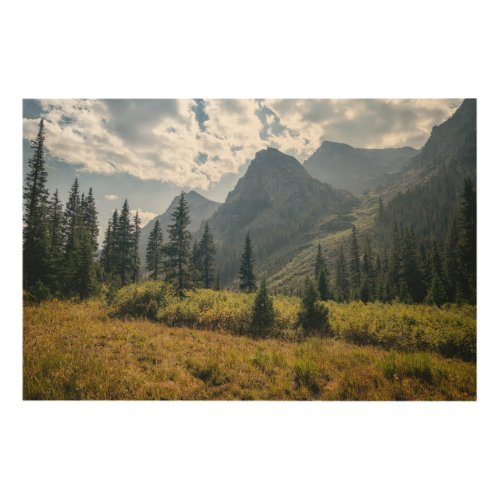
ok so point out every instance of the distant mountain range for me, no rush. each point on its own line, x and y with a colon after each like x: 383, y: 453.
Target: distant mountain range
x: 356, y: 169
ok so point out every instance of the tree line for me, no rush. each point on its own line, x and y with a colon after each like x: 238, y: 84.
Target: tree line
x: 61, y: 255
x: 406, y: 269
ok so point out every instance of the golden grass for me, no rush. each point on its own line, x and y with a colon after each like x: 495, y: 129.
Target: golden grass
x: 76, y: 351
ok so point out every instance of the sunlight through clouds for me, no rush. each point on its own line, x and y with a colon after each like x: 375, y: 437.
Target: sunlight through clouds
x: 165, y: 140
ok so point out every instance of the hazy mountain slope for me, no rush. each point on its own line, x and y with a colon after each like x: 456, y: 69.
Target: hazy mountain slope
x: 282, y: 207
x: 356, y: 169
x: 425, y: 195
x: 200, y: 209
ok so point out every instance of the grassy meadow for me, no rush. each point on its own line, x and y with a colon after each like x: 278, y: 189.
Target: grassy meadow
x: 142, y: 342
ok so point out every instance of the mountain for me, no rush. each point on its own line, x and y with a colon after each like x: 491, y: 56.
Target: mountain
x: 200, y: 209
x: 426, y: 194
x: 356, y: 169
x: 282, y: 207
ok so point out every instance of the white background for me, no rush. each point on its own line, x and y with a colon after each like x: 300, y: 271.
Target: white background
x: 108, y: 450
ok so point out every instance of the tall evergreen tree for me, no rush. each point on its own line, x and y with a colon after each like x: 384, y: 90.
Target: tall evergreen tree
x: 319, y: 263
x: 436, y: 293
x: 411, y: 279
x: 136, y: 261
x: 207, y: 257
x: 247, y: 276
x: 90, y: 218
x: 153, y: 251
x: 35, y: 237
x: 451, y: 261
x: 178, y: 246
x: 467, y: 243
x: 321, y: 275
x: 342, y: 287
x: 355, y: 267
x: 125, y: 245
x: 70, y: 219
x: 55, y: 261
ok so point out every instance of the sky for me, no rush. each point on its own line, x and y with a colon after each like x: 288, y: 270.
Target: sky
x: 148, y: 150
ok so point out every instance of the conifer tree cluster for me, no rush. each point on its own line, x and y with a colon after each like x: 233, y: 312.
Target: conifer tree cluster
x: 59, y: 246
x: 120, y: 261
x: 406, y: 270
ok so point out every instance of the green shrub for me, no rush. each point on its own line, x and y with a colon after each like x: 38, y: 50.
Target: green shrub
x: 37, y: 294
x: 143, y: 300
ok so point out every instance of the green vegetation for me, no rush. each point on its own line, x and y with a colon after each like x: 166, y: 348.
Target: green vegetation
x: 449, y: 330
x: 75, y: 350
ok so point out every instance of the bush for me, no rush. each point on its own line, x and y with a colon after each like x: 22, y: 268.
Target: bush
x: 37, y: 294
x: 143, y: 300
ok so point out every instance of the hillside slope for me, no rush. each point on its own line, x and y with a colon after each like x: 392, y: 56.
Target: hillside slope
x: 356, y: 169
x: 282, y: 207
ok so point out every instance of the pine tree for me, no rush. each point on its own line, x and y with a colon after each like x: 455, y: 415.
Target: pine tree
x: 124, y: 245
x: 451, y: 261
x: 410, y: 269
x: 319, y: 264
x: 321, y: 275
x: 247, y: 277
x: 395, y: 264
x: 217, y: 283
x: 109, y: 252
x: 72, y: 207
x: 196, y: 265
x: 323, y: 289
x: 153, y: 251
x: 355, y: 267
x: 341, y: 278
x: 178, y: 246
x: 207, y: 257
x: 467, y: 243
x: 80, y: 269
x: 90, y: 218
x: 55, y: 261
x: 136, y: 261
x: 262, y: 311
x: 313, y: 315
x: 35, y: 231
x: 436, y: 293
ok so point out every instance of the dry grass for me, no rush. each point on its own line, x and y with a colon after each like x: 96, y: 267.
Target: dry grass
x: 76, y: 351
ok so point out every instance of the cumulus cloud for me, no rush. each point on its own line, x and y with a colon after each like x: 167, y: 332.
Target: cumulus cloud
x: 172, y: 141
x: 144, y: 215
x: 111, y: 197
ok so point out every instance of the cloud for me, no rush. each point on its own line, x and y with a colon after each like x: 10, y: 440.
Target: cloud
x: 367, y: 123
x: 193, y: 143
x: 111, y: 197
x: 144, y: 215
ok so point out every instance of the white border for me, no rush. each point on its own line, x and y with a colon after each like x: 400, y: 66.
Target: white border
x: 57, y: 49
